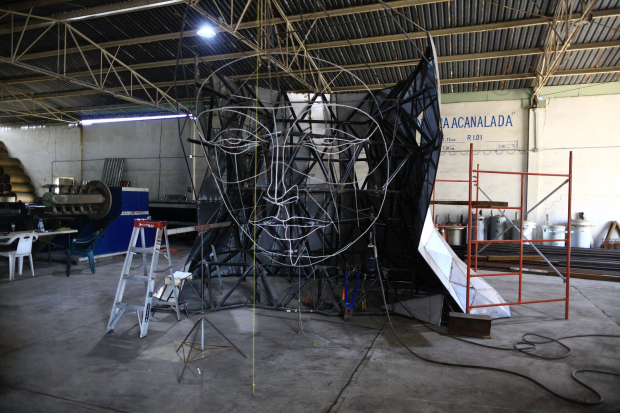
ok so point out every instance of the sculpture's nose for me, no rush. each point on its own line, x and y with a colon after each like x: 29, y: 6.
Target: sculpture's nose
x: 282, y: 195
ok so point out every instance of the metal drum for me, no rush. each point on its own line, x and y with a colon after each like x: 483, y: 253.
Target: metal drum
x: 497, y: 227
x: 454, y: 236
x: 582, y: 236
x: 481, y: 228
x: 554, y: 232
x: 528, y: 229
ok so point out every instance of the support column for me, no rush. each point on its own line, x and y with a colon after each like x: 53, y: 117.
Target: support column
x: 535, y: 135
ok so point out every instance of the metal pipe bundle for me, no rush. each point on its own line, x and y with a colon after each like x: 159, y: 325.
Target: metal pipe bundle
x: 16, y: 179
x: 14, y: 187
x: 15, y: 183
x: 11, y: 170
x: 18, y: 196
x: 6, y: 161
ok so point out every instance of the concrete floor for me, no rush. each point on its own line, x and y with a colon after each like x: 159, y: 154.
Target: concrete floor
x: 55, y: 357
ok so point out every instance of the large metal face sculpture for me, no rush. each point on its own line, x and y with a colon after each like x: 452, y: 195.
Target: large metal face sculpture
x: 310, y: 180
x: 283, y: 162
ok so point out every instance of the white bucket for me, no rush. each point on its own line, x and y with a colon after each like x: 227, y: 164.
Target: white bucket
x: 528, y: 229
x: 554, y: 232
x: 582, y: 235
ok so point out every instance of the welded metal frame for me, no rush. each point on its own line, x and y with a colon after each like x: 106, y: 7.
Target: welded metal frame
x: 107, y: 67
x: 545, y: 51
x: 409, y: 115
x: 563, y: 29
x: 474, y: 179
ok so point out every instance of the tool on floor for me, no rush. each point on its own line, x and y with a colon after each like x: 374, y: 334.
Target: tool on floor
x: 167, y: 291
x: 148, y: 277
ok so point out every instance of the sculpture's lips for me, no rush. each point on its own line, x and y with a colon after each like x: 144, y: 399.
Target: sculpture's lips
x: 299, y: 222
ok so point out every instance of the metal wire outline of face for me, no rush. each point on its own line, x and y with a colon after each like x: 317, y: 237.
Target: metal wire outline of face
x: 238, y: 140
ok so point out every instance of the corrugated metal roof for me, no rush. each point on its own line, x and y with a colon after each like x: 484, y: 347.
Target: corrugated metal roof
x: 436, y: 16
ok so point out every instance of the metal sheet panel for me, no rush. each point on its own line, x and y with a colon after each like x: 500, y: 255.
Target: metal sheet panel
x: 427, y: 309
x: 451, y: 271
x: 112, y: 173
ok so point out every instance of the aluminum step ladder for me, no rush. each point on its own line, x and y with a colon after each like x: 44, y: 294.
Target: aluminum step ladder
x: 148, y: 277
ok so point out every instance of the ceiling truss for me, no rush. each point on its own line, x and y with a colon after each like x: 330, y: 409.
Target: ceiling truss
x: 555, y: 53
x: 109, y: 65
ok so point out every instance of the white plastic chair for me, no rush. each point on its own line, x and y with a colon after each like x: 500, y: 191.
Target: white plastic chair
x: 24, y: 249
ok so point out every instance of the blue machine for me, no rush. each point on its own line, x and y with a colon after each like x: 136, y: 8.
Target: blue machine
x: 128, y: 204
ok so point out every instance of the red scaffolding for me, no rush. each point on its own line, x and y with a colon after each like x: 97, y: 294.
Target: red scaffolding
x: 434, y: 200
x: 474, y: 180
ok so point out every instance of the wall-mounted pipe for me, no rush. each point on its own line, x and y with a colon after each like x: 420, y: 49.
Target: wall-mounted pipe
x: 81, y: 153
x: 535, y: 129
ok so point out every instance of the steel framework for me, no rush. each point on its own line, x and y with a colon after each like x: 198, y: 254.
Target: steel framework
x: 474, y: 180
x: 102, y: 73
x: 319, y: 187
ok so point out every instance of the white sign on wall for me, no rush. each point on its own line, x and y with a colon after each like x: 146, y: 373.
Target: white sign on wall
x: 498, y: 125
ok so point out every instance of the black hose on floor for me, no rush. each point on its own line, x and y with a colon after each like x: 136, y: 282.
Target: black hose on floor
x: 526, y: 350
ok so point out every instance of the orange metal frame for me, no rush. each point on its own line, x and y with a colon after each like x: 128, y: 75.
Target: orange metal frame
x: 475, y: 180
x: 434, y: 188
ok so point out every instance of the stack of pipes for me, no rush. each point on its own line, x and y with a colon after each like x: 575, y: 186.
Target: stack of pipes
x: 14, y: 183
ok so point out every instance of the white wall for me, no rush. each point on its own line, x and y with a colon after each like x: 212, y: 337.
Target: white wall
x: 144, y: 144
x: 495, y: 148
x: 38, y: 148
x: 585, y: 125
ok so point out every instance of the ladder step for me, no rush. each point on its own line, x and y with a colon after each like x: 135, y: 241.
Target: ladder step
x: 130, y: 307
x: 137, y: 250
x: 130, y: 277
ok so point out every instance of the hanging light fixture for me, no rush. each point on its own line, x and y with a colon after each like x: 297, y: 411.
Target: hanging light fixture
x: 206, y: 31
